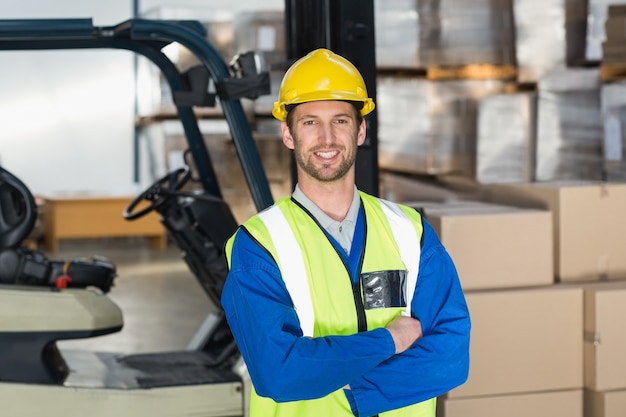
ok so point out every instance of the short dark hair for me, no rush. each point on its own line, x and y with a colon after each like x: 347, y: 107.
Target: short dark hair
x: 358, y: 105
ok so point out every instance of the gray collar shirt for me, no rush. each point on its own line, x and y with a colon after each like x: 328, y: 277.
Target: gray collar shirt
x: 342, y: 231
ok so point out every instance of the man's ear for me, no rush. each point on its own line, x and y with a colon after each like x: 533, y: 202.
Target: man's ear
x: 362, y: 133
x: 286, y: 133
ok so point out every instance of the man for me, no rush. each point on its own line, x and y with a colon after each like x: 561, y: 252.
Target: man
x: 341, y: 303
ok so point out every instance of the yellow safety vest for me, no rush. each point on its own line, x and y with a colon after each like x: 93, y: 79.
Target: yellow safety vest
x: 322, y: 291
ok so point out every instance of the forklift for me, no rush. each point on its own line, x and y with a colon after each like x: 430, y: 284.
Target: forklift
x: 43, y: 301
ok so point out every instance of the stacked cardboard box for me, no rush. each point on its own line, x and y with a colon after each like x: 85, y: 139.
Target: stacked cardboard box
x: 526, y: 345
x: 605, y: 338
x: 589, y: 226
x: 540, y: 404
x: 474, y: 232
x: 525, y: 355
x: 604, y: 347
x: 590, y: 236
x: 547, y: 339
x: 605, y: 404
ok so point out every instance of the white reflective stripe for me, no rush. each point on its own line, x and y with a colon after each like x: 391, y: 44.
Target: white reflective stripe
x: 408, y: 244
x: 292, y: 266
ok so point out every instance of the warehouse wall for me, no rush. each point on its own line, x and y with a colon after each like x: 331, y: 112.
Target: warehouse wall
x: 67, y: 117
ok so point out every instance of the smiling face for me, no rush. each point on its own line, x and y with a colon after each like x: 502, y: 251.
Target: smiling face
x: 325, y: 136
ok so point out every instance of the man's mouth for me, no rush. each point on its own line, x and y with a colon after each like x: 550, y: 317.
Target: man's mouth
x: 327, y: 154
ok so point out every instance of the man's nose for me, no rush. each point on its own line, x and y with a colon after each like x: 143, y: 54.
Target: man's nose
x: 327, y: 134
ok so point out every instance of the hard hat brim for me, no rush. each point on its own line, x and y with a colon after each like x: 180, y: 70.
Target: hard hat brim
x: 280, y: 109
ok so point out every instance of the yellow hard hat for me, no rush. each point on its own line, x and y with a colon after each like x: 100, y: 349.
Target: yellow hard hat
x: 321, y: 75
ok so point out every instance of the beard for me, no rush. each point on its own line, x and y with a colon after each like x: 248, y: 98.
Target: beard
x: 325, y: 172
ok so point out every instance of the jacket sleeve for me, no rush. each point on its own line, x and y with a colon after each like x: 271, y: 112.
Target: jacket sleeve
x: 282, y: 363
x: 437, y: 362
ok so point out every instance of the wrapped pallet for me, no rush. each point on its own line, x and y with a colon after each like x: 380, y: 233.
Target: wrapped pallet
x: 549, y: 35
x: 569, y: 126
x: 613, y: 98
x: 597, y: 15
x: 505, y: 148
x: 613, y: 65
x: 429, y: 127
x: 397, y: 34
x: 457, y: 33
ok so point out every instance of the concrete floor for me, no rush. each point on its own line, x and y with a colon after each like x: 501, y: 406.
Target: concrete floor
x: 162, y: 303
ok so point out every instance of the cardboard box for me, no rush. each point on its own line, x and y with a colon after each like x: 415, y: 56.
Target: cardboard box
x: 494, y: 246
x: 605, y: 336
x: 524, y: 340
x: 605, y: 404
x: 589, y: 220
x: 540, y: 404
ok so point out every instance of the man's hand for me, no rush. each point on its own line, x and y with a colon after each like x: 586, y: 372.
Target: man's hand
x: 405, y: 331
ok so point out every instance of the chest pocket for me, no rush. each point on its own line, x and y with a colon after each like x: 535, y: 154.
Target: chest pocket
x: 384, y: 289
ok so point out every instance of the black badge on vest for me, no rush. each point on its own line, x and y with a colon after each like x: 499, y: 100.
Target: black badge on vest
x: 384, y: 289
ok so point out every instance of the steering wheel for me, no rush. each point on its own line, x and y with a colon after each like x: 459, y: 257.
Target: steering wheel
x: 18, y: 210
x: 158, y: 193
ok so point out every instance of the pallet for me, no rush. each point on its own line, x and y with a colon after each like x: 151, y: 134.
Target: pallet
x: 515, y: 87
x: 97, y: 217
x: 464, y: 72
x: 612, y: 72
x: 473, y: 72
x: 586, y: 63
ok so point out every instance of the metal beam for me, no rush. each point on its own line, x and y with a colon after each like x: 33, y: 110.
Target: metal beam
x: 148, y: 37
